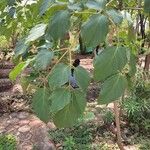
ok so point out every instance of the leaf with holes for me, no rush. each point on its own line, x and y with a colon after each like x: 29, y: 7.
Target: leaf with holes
x: 69, y: 115
x: 95, y: 30
x: 59, y: 25
x: 59, y: 75
x: 109, y: 62
x: 41, y: 104
x: 60, y: 98
x: 82, y: 77
x: 112, y: 89
x: 36, y: 32
x: 43, y: 59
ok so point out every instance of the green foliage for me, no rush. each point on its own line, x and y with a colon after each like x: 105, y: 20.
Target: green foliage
x: 62, y: 72
x: 62, y: 94
x: 94, y: 31
x: 41, y: 104
x: 82, y: 77
x: 147, y: 6
x: 8, y: 142
x: 59, y: 25
x: 36, y: 32
x: 110, y: 93
x: 145, y: 145
x: 108, y: 117
x: 43, y: 59
x: 18, y: 69
x: 69, y: 115
x: 109, y: 62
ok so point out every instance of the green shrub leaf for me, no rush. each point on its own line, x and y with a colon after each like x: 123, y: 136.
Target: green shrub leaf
x: 41, y: 104
x: 116, y: 16
x: 43, y: 59
x: 112, y: 89
x: 94, y: 31
x: 59, y: 25
x: 60, y: 98
x: 109, y: 62
x: 69, y: 115
x: 59, y: 75
x: 82, y: 77
x: 96, y: 4
x: 147, y: 6
x: 36, y: 32
x: 45, y: 5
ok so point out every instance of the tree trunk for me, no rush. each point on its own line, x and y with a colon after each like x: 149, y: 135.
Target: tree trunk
x: 117, y: 119
x: 147, y: 63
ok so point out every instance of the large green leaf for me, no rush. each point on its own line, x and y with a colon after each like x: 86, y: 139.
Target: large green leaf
x: 147, y: 6
x: 21, y: 47
x: 11, y: 2
x: 69, y: 115
x: 94, y: 31
x: 36, y: 32
x: 59, y: 75
x: 41, y: 104
x: 109, y: 62
x: 43, y: 59
x: 45, y: 5
x: 116, y: 16
x: 132, y: 65
x: 96, y: 4
x: 60, y: 98
x: 112, y: 89
x: 18, y: 69
x: 82, y: 77
x: 59, y: 25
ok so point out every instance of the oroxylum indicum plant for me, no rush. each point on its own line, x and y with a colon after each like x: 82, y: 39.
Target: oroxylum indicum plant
x: 95, y: 22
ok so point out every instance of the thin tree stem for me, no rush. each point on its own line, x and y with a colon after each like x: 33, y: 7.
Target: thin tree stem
x: 117, y: 119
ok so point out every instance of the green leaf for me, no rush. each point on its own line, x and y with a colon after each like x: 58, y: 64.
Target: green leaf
x: 109, y: 62
x: 96, y: 4
x: 43, y: 59
x: 59, y: 75
x: 69, y: 115
x: 21, y: 47
x: 112, y: 89
x: 11, y: 2
x: 12, y: 11
x: 36, y: 32
x: 45, y: 5
x: 41, y: 104
x: 147, y: 6
x: 116, y: 16
x: 82, y: 77
x: 59, y: 25
x: 132, y: 65
x: 94, y: 31
x: 60, y: 98
x: 18, y: 69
